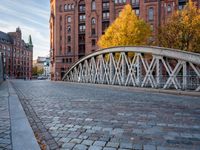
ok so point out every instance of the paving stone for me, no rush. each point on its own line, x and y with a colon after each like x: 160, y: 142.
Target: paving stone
x: 87, y: 142
x: 109, y: 148
x: 137, y: 146
x: 99, y: 143
x: 77, y: 141
x: 63, y: 139
x: 108, y: 129
x: 95, y: 148
x: 73, y: 135
x: 80, y: 147
x: 68, y: 145
x: 96, y: 128
x: 112, y: 144
x: 126, y: 145
x: 149, y: 147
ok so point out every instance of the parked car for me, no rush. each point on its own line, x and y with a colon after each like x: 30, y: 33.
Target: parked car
x: 41, y: 78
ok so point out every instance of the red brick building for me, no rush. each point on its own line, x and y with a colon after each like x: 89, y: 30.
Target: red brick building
x: 17, y: 54
x: 76, y: 25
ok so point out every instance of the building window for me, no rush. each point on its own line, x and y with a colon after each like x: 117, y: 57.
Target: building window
x: 70, y: 60
x: 106, y: 15
x: 124, y: 1
x: 151, y: 13
x: 65, y: 7
x: 63, y: 60
x: 93, y: 42
x: 72, y: 5
x: 116, y: 1
x: 68, y: 39
x: 81, y: 50
x: 82, y: 28
x: 93, y: 21
x: 169, y: 8
x: 69, y: 7
x: 120, y: 1
x: 93, y: 5
x: 60, y: 8
x: 81, y: 39
x: 82, y: 8
x: 135, y: 2
x: 68, y: 29
x: 69, y: 49
x: 93, y: 31
x: 137, y: 12
x: 82, y: 18
x: 105, y: 25
x: 69, y: 19
x: 180, y: 7
x: 106, y: 5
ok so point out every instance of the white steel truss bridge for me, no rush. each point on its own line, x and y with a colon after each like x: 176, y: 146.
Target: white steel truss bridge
x: 153, y: 67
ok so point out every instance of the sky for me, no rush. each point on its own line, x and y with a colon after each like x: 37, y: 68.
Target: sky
x: 32, y: 16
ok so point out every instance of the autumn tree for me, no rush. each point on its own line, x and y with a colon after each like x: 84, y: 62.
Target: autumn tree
x: 182, y: 30
x: 126, y: 30
x: 34, y: 71
x: 37, y: 71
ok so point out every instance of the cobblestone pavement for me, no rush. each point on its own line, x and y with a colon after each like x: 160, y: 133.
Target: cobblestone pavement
x: 5, y: 130
x: 94, y: 117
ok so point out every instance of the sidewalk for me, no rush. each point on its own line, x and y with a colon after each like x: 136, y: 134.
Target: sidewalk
x: 15, y: 130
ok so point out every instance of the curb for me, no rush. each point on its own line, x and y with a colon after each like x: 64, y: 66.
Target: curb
x: 21, y: 132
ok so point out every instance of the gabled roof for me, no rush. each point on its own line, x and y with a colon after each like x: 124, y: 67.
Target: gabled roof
x: 5, y: 38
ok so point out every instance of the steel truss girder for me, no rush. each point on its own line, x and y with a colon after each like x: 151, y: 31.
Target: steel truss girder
x: 161, y: 71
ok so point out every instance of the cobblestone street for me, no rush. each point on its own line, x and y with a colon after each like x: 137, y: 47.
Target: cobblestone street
x: 95, y: 117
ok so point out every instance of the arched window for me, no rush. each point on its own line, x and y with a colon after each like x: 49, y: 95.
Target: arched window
x: 69, y: 7
x: 169, y: 8
x: 72, y: 6
x: 65, y: 7
x: 69, y: 19
x: 93, y: 5
x: 93, y: 31
x: 151, y: 13
x: 93, y: 21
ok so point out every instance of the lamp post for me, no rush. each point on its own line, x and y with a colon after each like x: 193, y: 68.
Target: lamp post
x: 4, y: 67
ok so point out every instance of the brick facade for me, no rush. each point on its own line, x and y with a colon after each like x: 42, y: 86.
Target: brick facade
x: 17, y: 54
x: 76, y: 25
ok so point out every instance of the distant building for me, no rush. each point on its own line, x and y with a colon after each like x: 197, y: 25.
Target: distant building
x: 47, y: 67
x: 43, y: 63
x: 76, y: 25
x: 17, y: 54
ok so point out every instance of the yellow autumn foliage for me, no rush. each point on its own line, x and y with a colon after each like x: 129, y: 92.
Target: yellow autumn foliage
x: 126, y: 30
x: 182, y: 30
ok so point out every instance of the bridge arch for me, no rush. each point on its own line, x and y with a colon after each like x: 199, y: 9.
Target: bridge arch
x: 139, y: 66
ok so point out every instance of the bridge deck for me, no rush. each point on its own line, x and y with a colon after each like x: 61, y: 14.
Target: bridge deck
x: 71, y: 115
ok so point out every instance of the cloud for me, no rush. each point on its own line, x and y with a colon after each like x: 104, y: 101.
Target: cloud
x: 32, y: 16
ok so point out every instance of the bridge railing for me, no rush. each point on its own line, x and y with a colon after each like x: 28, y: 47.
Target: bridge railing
x: 153, y: 67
